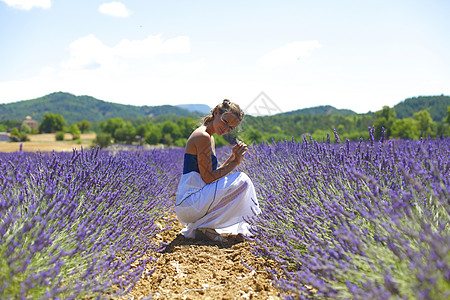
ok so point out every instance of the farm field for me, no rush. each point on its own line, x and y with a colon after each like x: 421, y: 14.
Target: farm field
x: 189, y: 269
x: 339, y: 219
x: 46, y: 142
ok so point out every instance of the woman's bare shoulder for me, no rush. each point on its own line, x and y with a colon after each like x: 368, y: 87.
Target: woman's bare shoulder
x: 199, y: 139
x: 200, y: 134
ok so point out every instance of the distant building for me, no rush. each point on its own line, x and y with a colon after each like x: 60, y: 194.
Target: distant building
x: 33, y: 124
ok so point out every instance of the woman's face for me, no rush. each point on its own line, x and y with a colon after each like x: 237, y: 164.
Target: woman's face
x: 224, y: 123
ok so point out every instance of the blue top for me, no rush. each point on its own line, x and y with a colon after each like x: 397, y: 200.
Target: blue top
x: 191, y: 163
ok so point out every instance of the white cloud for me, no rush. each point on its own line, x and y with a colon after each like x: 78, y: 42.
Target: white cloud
x: 176, y: 67
x: 89, y: 53
x: 152, y: 45
x: 289, y: 53
x: 29, y: 88
x: 46, y: 71
x: 28, y: 4
x: 115, y: 9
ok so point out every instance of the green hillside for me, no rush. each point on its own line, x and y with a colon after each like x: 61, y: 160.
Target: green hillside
x: 435, y: 105
x: 321, y: 110
x: 76, y: 108
x: 172, y: 125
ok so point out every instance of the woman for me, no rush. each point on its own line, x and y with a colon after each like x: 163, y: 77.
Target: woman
x: 208, y: 199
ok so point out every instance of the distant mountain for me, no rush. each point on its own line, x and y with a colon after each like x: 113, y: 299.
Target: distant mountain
x: 436, y: 106
x: 200, y: 108
x: 320, y: 110
x: 76, y: 108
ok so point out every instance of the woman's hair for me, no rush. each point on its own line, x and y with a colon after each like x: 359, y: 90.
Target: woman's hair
x: 225, y: 107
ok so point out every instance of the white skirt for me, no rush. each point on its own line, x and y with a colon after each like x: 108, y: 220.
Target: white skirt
x: 224, y: 204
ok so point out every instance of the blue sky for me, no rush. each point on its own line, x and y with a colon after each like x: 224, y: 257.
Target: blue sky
x: 358, y: 55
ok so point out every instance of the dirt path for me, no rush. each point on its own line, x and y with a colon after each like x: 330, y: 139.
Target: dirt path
x: 190, y: 269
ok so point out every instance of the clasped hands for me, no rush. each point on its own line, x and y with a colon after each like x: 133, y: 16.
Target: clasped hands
x: 238, y: 152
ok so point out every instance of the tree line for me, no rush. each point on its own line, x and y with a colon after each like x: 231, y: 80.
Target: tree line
x: 420, y: 125
x: 174, y: 130
x: 352, y: 127
x: 51, y: 123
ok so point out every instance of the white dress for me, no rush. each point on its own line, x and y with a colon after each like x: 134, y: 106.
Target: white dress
x: 224, y: 204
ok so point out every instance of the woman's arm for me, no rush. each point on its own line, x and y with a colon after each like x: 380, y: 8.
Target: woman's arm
x: 204, y: 152
x: 231, y: 158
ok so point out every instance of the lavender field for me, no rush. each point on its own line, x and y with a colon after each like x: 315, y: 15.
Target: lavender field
x: 367, y: 220
x: 343, y: 219
x: 78, y: 225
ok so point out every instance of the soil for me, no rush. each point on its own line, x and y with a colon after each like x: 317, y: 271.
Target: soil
x: 191, y: 269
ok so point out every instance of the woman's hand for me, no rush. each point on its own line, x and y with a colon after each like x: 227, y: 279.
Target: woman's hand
x: 238, y: 152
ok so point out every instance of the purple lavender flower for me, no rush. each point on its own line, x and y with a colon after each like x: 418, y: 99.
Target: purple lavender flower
x: 71, y: 225
x: 338, y: 216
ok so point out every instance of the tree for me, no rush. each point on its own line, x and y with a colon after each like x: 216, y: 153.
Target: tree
x: 84, y: 125
x: 59, y: 136
x: 442, y: 129
x: 187, y: 125
x: 181, y: 142
x: 16, y: 136
x: 167, y: 139
x: 11, y: 123
x: 125, y: 134
x: 253, y: 136
x: 52, y: 122
x: 319, y: 135
x: 154, y: 136
x: 75, y: 131
x: 425, y: 122
x: 406, y: 128
x: 171, y: 129
x: 385, y: 119
x: 447, y: 119
x: 121, y: 131
x: 102, y: 140
x: 141, y: 130
x: 25, y: 129
x: 111, y: 125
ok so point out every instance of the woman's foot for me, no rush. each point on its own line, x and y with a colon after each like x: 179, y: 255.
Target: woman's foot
x: 209, y: 234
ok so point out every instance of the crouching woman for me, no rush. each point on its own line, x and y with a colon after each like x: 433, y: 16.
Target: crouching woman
x: 210, y: 201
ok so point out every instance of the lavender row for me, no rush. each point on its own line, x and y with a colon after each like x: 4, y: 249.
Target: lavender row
x: 78, y: 225
x: 367, y: 220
